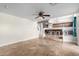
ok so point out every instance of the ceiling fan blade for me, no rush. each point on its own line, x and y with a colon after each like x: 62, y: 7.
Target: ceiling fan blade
x: 39, y: 16
x: 46, y: 15
x: 36, y: 17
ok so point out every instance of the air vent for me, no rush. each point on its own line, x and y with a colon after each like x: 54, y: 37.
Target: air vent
x: 53, y: 4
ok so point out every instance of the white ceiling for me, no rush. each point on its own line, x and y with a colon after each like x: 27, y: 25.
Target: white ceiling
x: 26, y: 10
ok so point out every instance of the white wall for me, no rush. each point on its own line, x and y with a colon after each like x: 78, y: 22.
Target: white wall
x: 14, y: 29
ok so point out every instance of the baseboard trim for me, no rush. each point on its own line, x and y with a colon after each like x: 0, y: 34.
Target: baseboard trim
x: 17, y: 41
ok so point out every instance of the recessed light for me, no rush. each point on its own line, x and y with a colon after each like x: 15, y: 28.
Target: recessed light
x: 6, y: 6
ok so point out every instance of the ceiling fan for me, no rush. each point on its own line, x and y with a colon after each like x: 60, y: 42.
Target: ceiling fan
x: 42, y: 14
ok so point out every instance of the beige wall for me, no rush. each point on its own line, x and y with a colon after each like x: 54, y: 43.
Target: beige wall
x: 14, y: 29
